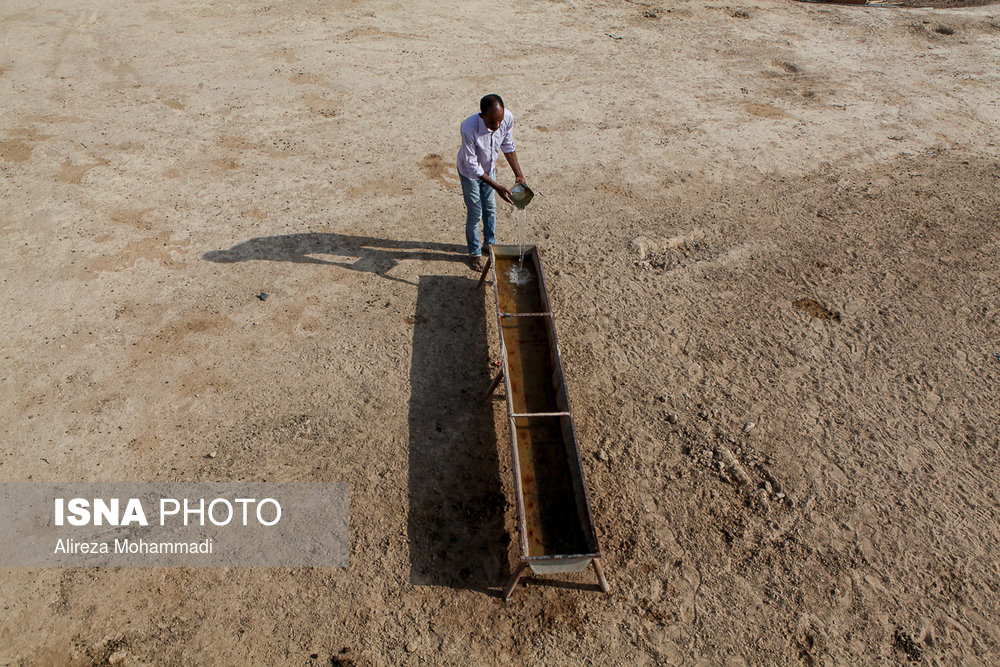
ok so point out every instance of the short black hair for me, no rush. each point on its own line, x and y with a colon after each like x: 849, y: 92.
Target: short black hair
x: 489, y: 101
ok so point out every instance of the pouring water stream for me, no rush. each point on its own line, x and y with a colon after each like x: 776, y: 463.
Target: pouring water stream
x: 517, y: 274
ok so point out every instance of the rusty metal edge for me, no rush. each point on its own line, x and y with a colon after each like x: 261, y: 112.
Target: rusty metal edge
x: 561, y: 557
x: 876, y: 4
x: 522, y: 524
x: 569, y: 405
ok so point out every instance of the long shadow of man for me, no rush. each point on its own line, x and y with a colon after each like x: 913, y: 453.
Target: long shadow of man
x: 377, y: 256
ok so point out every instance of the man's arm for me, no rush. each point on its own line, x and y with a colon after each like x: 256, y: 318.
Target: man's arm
x: 501, y: 190
x: 467, y: 154
x: 509, y: 149
x: 512, y: 161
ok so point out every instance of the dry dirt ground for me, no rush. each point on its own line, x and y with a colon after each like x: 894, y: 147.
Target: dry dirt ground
x: 771, y: 236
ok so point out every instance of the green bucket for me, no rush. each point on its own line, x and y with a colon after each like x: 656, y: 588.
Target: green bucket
x: 521, y: 195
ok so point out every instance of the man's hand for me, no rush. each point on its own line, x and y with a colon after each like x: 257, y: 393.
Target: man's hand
x: 520, y: 180
x: 504, y: 194
x: 500, y: 190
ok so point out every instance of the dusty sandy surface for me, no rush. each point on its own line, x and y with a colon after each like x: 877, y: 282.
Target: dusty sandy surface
x: 770, y: 233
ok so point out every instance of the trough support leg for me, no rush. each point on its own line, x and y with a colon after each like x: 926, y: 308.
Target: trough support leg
x: 486, y: 270
x: 600, y: 575
x: 493, y: 387
x: 514, y: 578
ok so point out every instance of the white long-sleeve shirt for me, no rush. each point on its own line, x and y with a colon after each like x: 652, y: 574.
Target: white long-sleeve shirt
x: 481, y: 147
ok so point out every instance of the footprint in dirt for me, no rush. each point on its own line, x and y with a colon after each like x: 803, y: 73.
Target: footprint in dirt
x: 436, y: 169
x: 815, y: 309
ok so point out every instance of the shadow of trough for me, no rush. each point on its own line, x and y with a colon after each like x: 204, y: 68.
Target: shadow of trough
x: 456, y: 525
x: 359, y: 253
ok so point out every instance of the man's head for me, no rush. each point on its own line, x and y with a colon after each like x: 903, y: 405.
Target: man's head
x: 491, y: 111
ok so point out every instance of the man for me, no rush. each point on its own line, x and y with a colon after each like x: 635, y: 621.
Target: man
x: 484, y: 136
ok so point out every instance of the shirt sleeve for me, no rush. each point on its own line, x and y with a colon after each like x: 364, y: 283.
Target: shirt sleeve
x: 507, y: 143
x: 467, y: 154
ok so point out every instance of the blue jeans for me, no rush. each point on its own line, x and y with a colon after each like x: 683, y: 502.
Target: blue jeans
x: 480, y: 202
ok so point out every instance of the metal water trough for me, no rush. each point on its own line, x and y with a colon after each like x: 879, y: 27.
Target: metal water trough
x: 555, y: 526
